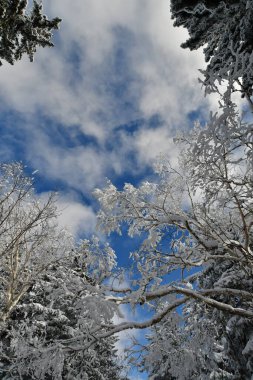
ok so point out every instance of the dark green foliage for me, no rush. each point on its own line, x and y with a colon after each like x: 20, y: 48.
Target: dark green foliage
x: 201, y: 18
x: 225, y: 29
x: 22, y: 32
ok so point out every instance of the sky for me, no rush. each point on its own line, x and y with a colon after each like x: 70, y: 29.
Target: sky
x: 103, y: 103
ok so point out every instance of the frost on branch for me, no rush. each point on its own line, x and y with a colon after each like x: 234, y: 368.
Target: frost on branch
x: 187, y: 216
x: 30, y: 240
x: 197, y: 241
x: 99, y: 261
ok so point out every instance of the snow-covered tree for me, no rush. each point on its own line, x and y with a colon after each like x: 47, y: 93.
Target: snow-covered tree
x: 204, y: 343
x: 29, y: 238
x: 178, y: 351
x: 64, y: 305
x: 23, y: 27
x: 52, y: 299
x: 224, y: 29
x: 196, y: 220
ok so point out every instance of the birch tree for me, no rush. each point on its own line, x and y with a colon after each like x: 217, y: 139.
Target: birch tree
x: 29, y: 241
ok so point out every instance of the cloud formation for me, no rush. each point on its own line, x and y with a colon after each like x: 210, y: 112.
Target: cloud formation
x: 114, y: 62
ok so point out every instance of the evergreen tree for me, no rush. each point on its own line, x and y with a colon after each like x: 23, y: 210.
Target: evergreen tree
x: 225, y: 29
x: 63, y: 305
x: 23, y: 30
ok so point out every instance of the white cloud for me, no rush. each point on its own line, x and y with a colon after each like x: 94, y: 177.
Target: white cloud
x: 169, y: 73
x: 153, y: 142
x: 80, y: 83
x: 73, y: 215
x: 80, y: 169
x: 76, y: 217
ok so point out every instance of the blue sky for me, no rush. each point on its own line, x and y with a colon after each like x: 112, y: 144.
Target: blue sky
x: 103, y: 103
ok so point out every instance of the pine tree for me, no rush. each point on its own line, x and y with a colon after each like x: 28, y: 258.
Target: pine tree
x: 22, y: 31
